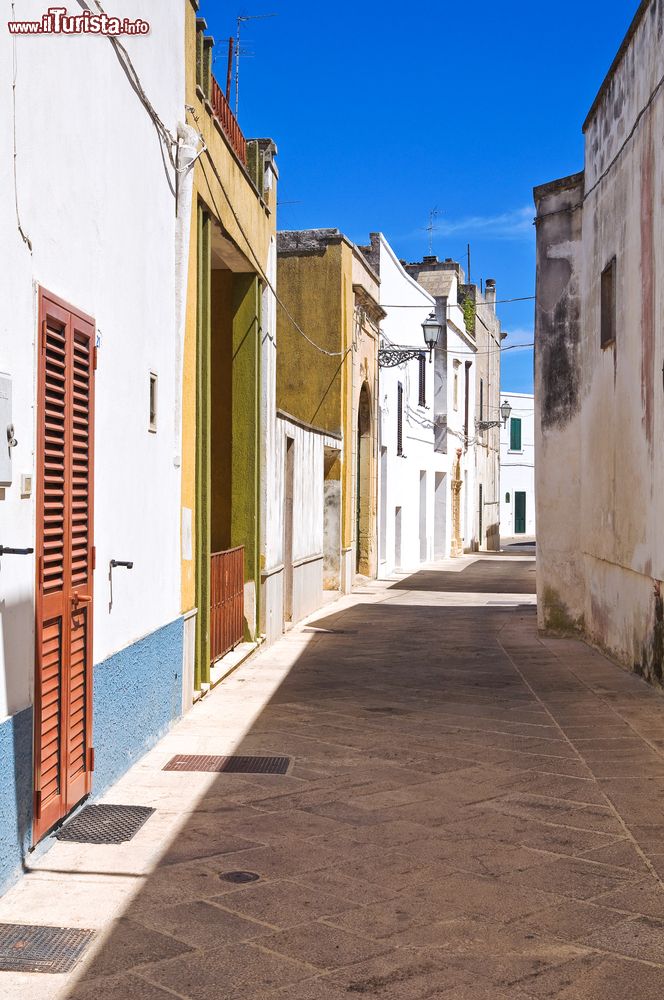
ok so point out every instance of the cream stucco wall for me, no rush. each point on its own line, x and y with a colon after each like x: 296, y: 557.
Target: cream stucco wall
x: 600, y: 419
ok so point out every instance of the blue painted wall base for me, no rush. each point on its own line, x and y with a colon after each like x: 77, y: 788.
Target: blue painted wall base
x: 137, y: 696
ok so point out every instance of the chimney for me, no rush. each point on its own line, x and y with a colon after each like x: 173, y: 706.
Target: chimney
x: 490, y: 293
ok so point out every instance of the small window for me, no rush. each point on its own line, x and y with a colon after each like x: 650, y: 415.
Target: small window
x: 399, y: 418
x: 608, y: 305
x: 507, y: 498
x: 152, y: 426
x: 422, y: 400
x: 455, y: 388
x: 515, y: 434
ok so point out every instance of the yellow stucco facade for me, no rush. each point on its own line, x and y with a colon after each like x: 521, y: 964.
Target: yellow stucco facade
x: 329, y: 289
x: 232, y: 228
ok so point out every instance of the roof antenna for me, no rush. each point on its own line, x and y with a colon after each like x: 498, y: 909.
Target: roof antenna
x: 433, y: 215
x: 240, y: 21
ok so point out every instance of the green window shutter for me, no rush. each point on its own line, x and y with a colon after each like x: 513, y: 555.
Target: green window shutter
x: 515, y: 434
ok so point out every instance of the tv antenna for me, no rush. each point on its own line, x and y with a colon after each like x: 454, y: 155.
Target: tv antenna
x: 432, y: 227
x: 241, y: 18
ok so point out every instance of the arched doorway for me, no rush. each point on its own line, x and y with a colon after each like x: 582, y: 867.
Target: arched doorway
x: 363, y: 490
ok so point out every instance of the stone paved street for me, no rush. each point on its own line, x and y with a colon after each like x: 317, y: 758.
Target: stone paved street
x: 471, y: 813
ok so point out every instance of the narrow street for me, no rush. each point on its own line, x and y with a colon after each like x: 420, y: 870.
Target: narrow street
x: 470, y: 812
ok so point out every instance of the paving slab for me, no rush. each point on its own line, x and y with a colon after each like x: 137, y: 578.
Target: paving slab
x: 472, y: 812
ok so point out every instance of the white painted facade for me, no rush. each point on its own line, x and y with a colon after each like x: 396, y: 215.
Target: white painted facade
x: 517, y: 470
x: 415, y: 491
x: 94, y: 198
x: 90, y: 217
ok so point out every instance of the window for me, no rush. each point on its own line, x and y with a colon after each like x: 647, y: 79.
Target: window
x: 455, y: 387
x: 152, y: 425
x: 422, y: 361
x: 481, y: 399
x: 399, y: 418
x: 507, y: 498
x: 515, y: 434
x: 608, y: 305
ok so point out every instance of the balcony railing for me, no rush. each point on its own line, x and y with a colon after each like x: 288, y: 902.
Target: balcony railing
x: 227, y: 120
x: 226, y: 601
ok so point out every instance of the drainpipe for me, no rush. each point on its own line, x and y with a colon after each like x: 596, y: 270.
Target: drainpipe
x: 188, y: 150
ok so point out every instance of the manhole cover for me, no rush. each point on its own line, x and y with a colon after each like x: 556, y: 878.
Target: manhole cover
x: 228, y: 765
x: 24, y: 948
x: 239, y: 877
x: 105, y: 824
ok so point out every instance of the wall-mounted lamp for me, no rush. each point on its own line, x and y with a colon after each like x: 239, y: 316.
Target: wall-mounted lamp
x: 390, y: 357
x: 505, y: 411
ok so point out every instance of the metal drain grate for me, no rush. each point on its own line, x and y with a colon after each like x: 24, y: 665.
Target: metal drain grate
x: 228, y: 765
x: 24, y: 948
x: 239, y: 878
x: 313, y: 629
x: 105, y: 824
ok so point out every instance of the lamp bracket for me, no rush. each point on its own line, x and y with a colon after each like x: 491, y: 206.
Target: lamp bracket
x: 391, y: 357
x: 485, y: 425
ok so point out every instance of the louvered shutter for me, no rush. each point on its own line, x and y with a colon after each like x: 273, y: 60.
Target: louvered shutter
x: 80, y: 652
x: 422, y: 361
x: 399, y: 418
x: 64, y: 563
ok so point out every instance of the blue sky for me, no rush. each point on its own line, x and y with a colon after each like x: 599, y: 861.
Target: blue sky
x: 383, y: 111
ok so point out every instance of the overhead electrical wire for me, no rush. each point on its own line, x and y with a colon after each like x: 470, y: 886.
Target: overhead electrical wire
x: 261, y: 271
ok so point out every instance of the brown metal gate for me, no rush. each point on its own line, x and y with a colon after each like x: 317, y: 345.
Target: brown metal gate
x: 226, y: 601
x: 63, y: 756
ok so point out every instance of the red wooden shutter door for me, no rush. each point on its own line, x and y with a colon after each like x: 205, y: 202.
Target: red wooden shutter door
x: 63, y: 697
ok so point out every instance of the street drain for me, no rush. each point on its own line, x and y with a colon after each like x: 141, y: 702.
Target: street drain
x: 228, y: 765
x: 105, y: 824
x: 239, y: 878
x: 25, y: 948
x: 389, y: 710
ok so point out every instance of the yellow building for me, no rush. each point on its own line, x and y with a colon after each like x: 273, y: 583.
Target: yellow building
x: 231, y: 252
x: 331, y: 292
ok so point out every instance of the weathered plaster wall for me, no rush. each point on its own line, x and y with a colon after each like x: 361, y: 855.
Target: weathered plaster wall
x: 558, y: 422
x: 601, y: 410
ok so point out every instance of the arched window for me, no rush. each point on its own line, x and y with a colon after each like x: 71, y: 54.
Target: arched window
x: 507, y: 498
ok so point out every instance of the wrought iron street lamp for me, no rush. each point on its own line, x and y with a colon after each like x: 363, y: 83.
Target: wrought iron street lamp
x: 390, y: 357
x: 505, y: 411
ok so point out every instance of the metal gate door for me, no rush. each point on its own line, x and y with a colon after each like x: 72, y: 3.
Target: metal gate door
x: 63, y: 756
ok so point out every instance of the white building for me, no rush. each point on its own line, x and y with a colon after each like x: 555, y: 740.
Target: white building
x: 517, y: 469
x: 424, y: 410
x: 89, y: 350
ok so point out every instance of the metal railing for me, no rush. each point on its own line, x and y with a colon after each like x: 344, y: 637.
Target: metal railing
x: 226, y: 601
x: 227, y: 120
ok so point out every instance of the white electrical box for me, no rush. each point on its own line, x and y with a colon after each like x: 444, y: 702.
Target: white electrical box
x: 6, y: 430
